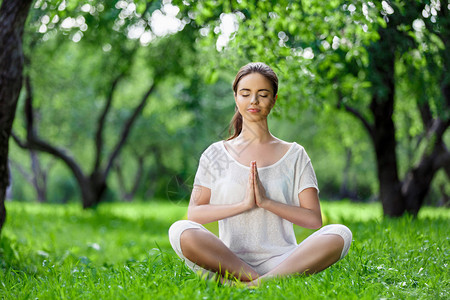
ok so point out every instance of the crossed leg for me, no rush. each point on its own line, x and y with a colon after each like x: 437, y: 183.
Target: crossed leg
x: 200, y: 247
x: 312, y: 256
x: 209, y: 252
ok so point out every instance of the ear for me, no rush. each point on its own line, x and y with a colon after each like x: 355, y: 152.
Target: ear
x: 274, y: 100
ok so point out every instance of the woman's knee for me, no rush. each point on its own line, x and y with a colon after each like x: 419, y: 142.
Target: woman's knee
x: 176, y: 229
x: 344, y: 232
x: 338, y: 229
x: 188, y: 240
x: 176, y: 232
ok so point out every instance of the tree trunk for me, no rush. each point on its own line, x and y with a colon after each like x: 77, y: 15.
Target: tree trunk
x: 93, y: 190
x: 418, y: 181
x: 382, y: 61
x: 13, y: 15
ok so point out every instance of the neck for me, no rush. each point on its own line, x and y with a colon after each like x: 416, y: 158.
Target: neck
x: 255, y: 132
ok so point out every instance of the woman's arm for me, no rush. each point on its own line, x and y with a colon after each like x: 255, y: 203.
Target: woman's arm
x: 306, y: 215
x: 201, y: 211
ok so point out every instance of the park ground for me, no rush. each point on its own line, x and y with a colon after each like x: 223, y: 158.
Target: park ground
x: 121, y: 251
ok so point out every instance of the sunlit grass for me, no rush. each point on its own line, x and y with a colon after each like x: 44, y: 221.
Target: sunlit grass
x: 121, y: 250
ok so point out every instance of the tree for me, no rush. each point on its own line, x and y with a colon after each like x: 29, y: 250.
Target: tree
x: 13, y: 15
x: 112, y: 26
x: 348, y: 53
x: 398, y: 195
x: 93, y: 185
x: 38, y: 176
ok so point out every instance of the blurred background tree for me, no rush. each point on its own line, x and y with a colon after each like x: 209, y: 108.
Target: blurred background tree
x: 357, y: 56
x: 13, y: 15
x: 121, y: 97
x: 104, y: 37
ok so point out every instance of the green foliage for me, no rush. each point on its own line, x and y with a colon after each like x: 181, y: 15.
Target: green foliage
x: 122, y: 251
x: 326, y: 137
x: 324, y: 53
x: 318, y: 49
x: 322, y: 49
x: 81, y: 49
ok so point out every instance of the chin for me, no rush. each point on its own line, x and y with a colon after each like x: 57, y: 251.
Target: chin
x: 256, y: 118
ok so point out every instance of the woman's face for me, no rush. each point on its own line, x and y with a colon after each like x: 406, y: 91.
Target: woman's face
x: 254, y: 97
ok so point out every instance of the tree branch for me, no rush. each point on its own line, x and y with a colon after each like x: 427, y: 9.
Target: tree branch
x: 425, y: 114
x: 128, y: 195
x: 101, y: 122
x: 22, y: 171
x: 120, y: 179
x: 359, y: 116
x: 138, y: 175
x: 35, y: 143
x: 102, y: 118
x: 28, y: 107
x: 126, y: 129
x: 443, y: 161
x: 20, y: 143
x: 355, y: 113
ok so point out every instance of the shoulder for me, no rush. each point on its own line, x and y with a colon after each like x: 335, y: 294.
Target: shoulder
x: 298, y: 153
x: 282, y: 146
x: 298, y: 147
x: 214, y: 146
x: 213, y: 149
x: 292, y: 147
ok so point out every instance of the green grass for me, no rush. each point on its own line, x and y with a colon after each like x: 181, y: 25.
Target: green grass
x: 121, y: 250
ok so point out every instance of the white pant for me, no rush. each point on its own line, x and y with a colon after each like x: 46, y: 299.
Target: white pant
x: 178, y: 227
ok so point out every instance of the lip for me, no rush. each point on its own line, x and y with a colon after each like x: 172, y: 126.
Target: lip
x: 253, y: 110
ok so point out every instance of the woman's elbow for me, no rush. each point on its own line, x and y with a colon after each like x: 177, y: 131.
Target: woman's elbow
x: 193, y: 216
x: 316, y: 223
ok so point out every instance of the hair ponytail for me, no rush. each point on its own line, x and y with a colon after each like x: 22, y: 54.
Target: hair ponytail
x: 236, y: 125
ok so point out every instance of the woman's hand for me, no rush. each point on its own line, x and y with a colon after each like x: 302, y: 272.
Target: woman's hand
x: 200, y: 210
x: 260, y: 192
x: 249, y: 200
x: 307, y: 214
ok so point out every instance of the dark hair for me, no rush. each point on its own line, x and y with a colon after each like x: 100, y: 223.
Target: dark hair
x: 254, y: 67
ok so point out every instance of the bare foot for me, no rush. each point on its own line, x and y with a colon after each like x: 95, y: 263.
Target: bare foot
x: 258, y: 281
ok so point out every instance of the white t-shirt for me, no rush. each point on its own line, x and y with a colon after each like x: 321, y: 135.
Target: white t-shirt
x: 256, y: 235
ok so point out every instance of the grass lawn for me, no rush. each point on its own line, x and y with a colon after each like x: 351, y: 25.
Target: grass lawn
x: 121, y: 251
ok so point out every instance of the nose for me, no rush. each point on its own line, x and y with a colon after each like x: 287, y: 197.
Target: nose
x: 254, y: 99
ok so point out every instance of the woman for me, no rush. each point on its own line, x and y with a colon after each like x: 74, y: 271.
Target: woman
x: 256, y: 186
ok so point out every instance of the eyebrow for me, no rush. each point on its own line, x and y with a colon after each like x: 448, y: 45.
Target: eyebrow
x: 261, y: 90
